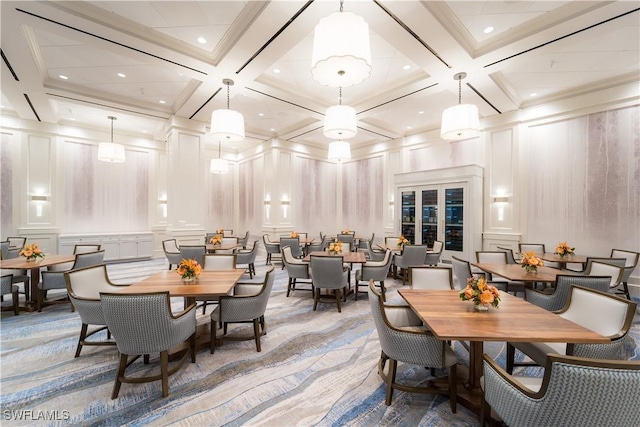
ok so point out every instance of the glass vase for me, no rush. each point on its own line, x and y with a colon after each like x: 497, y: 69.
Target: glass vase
x: 481, y: 307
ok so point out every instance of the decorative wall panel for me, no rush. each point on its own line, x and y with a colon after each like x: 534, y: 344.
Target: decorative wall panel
x: 251, y: 194
x: 105, y: 197
x: 314, y: 196
x: 584, y: 182
x: 219, y: 201
x: 6, y: 185
x: 363, y: 196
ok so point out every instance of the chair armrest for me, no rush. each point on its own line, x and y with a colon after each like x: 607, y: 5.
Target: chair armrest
x: 247, y: 289
x: 401, y: 315
x: 496, y: 378
x: 184, y: 312
x: 540, y: 299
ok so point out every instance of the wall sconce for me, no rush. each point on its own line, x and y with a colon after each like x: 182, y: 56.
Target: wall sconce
x: 285, y: 202
x: 39, y: 199
x: 267, y: 202
x: 163, y: 206
x: 501, y: 200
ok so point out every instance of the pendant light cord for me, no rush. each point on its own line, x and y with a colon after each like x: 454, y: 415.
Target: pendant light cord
x: 340, y: 97
x: 341, y: 5
x: 459, y: 91
x: 227, y: 97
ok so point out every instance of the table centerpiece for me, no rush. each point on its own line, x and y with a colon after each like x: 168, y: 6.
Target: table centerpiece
x: 32, y: 252
x: 530, y: 262
x: 482, y: 294
x: 189, y: 270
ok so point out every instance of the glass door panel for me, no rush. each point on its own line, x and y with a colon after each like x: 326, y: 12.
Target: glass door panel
x: 454, y: 219
x: 429, y: 217
x: 408, y: 215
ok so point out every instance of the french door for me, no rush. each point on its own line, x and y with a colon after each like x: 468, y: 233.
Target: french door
x: 434, y: 212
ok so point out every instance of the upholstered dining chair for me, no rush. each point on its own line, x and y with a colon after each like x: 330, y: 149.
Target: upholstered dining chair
x: 574, y: 391
x: 247, y: 305
x: 296, y: 270
x: 272, y: 248
x: 17, y: 275
x: 511, y: 258
x: 411, y: 255
x: 374, y: 270
x: 319, y: 246
x: 4, y: 247
x: 362, y: 241
x: 404, y: 339
x: 248, y: 257
x: 429, y: 277
x: 17, y: 242
x: 632, y: 259
x: 172, y: 252
x: 499, y: 257
x: 329, y: 273
x: 227, y: 232
x: 8, y: 288
x: 601, y: 312
x: 558, y: 298
x: 195, y: 252
x: 213, y: 262
x: 371, y: 254
x: 143, y: 324
x: 462, y: 272
x: 347, y: 238
x: 244, y: 241
x: 605, y: 269
x: 434, y: 254
x: 84, y: 286
x: 55, y: 279
x: 77, y: 249
x: 294, y: 244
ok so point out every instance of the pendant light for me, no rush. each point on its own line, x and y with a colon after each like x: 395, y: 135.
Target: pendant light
x: 219, y: 165
x: 110, y: 152
x: 460, y: 121
x: 340, y: 121
x: 341, y: 54
x: 339, y: 150
x: 227, y: 124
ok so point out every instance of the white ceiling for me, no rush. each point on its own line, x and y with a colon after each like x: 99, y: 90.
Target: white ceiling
x: 554, y: 49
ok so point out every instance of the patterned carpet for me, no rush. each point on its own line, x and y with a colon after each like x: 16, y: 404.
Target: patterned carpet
x: 315, y: 368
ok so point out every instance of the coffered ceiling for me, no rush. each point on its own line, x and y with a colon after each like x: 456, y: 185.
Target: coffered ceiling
x: 539, y: 51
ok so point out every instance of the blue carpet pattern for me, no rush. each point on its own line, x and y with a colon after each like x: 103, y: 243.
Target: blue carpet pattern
x: 316, y: 368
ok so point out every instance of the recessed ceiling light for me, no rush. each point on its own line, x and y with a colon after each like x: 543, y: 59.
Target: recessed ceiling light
x: 63, y: 77
x: 488, y: 30
x: 406, y: 67
x: 272, y: 130
x: 162, y: 102
x: 145, y: 131
x: 420, y: 112
x: 122, y: 75
x: 261, y: 114
x: 73, y: 119
x: 409, y: 127
x: 202, y: 40
x: 533, y: 94
x: 276, y: 70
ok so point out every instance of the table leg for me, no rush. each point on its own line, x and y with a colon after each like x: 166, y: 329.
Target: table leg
x: 475, y: 365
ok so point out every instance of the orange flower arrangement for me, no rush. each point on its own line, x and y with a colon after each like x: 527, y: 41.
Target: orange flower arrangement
x: 189, y: 269
x: 31, y: 252
x: 294, y: 234
x: 402, y: 240
x: 216, y: 240
x: 335, y: 247
x: 220, y: 231
x: 480, y: 292
x: 530, y: 262
x: 346, y: 231
x: 564, y: 249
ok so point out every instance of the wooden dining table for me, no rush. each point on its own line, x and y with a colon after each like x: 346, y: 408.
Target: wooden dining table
x: 562, y: 260
x: 34, y: 272
x: 210, y: 285
x: 516, y: 320
x: 515, y: 272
